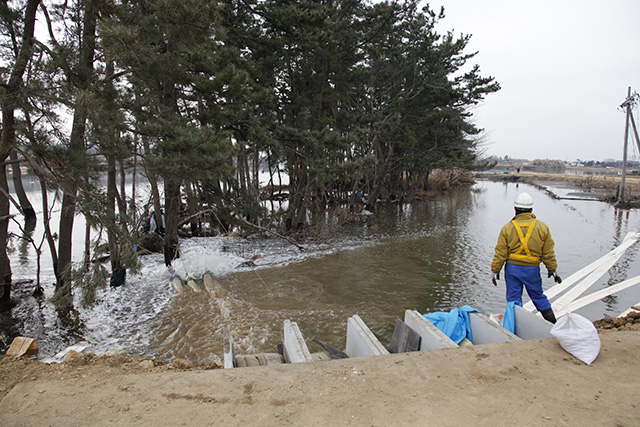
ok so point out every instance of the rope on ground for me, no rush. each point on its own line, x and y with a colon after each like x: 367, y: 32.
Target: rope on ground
x: 259, y: 277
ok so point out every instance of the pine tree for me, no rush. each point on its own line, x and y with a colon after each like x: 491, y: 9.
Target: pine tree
x: 419, y: 102
x: 169, y: 51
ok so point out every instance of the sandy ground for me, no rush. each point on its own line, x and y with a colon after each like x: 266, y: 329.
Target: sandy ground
x: 532, y: 383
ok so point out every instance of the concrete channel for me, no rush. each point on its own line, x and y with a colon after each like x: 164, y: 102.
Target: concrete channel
x: 414, y: 333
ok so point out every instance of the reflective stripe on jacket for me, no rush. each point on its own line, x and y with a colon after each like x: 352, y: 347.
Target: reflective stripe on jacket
x: 524, y: 241
x: 524, y: 253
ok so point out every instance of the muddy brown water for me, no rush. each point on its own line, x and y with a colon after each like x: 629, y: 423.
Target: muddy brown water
x: 429, y: 256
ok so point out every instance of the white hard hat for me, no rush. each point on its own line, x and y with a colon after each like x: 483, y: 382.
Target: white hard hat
x: 523, y: 201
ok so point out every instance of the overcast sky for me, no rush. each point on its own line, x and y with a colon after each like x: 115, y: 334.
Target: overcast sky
x: 564, y: 67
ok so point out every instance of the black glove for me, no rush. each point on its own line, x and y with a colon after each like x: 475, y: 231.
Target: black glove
x: 555, y: 275
x: 494, y: 277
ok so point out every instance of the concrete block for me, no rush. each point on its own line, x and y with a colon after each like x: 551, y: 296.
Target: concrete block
x: 432, y: 338
x: 176, y: 281
x: 229, y: 354
x: 295, y: 348
x: 530, y: 326
x: 360, y: 340
x: 191, y: 283
x: 484, y: 331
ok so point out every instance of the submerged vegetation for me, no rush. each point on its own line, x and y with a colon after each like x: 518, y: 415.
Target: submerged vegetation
x: 353, y: 102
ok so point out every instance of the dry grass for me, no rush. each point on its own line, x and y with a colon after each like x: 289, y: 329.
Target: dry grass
x: 600, y: 182
x: 605, y: 185
x: 445, y: 179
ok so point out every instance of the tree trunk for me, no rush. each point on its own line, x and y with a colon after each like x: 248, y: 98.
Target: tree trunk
x: 352, y: 197
x: 171, y: 203
x: 383, y: 168
x: 301, y: 217
x: 65, y: 232
x: 76, y: 147
x: 296, y: 199
x: 192, y: 203
x: 256, y: 174
x: 25, y: 204
x: 87, y: 245
x: 68, y: 209
x: 157, y: 206
x: 240, y: 170
x: 114, y: 253
x: 7, y: 143
x: 155, y: 193
x: 118, y: 271
x: 47, y: 226
x: 122, y: 198
x: 132, y: 206
x: 5, y: 266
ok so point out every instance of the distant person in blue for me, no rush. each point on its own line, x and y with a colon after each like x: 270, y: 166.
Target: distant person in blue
x: 523, y: 243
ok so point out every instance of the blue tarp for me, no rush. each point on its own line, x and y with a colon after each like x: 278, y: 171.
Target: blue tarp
x: 509, y: 320
x: 454, y: 324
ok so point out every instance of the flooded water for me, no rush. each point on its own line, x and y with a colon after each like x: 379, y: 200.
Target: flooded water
x: 429, y: 256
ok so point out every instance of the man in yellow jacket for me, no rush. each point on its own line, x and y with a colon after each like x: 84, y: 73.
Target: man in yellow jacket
x: 523, y: 243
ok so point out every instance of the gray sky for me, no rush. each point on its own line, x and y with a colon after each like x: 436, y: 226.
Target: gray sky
x: 564, y: 67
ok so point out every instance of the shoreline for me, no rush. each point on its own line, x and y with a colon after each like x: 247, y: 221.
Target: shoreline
x: 603, y: 188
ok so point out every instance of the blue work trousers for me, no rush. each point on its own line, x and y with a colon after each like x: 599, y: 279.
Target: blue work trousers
x: 516, y: 276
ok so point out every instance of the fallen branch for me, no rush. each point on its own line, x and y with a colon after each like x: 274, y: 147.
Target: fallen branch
x: 293, y: 242
x: 197, y: 214
x: 212, y: 211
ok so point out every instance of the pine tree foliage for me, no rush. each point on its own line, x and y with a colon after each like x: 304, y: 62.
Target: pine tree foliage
x: 350, y: 99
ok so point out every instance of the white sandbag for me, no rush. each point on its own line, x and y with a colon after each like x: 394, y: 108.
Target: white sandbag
x: 578, y: 336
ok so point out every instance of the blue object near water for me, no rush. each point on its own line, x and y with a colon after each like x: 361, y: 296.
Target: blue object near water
x: 454, y: 324
x: 509, y: 320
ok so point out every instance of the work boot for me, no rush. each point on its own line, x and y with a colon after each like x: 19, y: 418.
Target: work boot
x: 548, y: 315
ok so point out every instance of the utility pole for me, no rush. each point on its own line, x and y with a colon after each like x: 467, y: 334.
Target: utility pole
x: 628, y: 104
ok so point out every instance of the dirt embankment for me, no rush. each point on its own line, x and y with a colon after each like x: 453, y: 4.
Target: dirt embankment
x: 534, y: 381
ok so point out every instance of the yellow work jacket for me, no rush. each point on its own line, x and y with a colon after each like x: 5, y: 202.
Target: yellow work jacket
x: 524, y: 241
